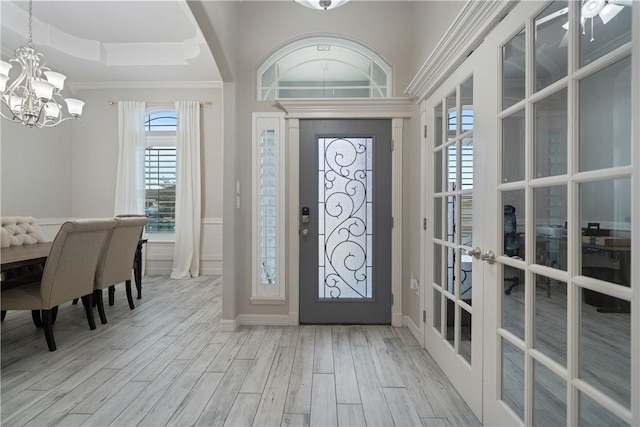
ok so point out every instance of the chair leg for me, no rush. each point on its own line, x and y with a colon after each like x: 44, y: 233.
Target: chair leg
x: 137, y: 270
x: 47, y: 319
x: 97, y: 296
x: 3, y: 314
x: 35, y: 315
x: 87, y: 301
x: 129, y: 294
x: 112, y: 293
x: 54, y: 315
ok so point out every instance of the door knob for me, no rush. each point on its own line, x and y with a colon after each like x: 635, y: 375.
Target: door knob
x: 489, y: 256
x: 476, y: 252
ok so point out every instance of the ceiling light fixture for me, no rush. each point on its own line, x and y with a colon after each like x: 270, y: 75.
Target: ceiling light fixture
x: 321, y: 4
x: 33, y: 98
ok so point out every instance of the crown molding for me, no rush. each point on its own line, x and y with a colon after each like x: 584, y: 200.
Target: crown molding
x: 76, y: 86
x: 360, y: 108
x: 468, y: 30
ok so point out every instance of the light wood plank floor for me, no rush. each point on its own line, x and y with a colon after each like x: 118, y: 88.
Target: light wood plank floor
x: 168, y: 363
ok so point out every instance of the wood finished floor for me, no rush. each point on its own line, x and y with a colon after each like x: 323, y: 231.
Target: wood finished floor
x: 168, y: 363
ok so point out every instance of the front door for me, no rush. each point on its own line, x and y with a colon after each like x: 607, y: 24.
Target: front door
x: 345, y: 221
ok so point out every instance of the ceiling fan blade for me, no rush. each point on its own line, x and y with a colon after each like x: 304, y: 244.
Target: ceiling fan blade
x: 621, y: 2
x: 609, y: 12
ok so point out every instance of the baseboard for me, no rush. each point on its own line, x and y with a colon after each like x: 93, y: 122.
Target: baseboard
x: 229, y: 325
x: 212, y: 271
x: 294, y: 318
x: 264, y: 319
x: 414, y: 329
x: 396, y: 320
x: 165, y: 269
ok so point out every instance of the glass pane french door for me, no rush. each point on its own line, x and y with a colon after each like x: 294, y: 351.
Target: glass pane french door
x: 560, y: 344
x: 453, y: 333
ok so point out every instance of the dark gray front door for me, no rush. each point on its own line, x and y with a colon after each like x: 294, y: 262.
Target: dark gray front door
x: 345, y: 221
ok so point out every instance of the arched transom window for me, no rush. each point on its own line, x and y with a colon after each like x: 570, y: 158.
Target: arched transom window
x: 324, y: 67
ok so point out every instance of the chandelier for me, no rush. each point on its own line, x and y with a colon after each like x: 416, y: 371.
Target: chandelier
x: 321, y: 4
x: 33, y: 97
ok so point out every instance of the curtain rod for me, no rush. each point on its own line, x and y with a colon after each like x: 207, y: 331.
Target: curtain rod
x: 202, y: 103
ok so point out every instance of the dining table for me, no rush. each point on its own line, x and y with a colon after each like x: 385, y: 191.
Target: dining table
x: 14, y: 257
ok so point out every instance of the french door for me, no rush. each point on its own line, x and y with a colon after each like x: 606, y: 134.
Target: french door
x: 453, y: 333
x: 345, y: 221
x: 553, y: 240
x: 561, y: 216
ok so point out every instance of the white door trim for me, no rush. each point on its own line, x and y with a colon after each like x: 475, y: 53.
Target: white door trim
x: 396, y: 109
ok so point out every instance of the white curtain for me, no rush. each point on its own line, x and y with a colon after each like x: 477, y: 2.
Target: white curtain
x: 130, y: 174
x: 186, y: 256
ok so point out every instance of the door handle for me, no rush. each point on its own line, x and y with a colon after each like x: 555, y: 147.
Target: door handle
x: 476, y: 252
x: 489, y: 256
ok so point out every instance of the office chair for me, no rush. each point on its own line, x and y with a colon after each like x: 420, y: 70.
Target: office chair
x: 511, y: 242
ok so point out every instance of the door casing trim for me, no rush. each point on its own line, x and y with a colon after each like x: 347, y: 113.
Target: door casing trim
x: 395, y: 109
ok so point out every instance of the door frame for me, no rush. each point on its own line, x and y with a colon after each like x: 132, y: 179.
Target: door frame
x: 395, y: 109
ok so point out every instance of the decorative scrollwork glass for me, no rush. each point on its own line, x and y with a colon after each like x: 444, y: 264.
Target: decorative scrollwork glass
x: 345, y: 223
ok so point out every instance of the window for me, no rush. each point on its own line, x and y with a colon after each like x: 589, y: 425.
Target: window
x: 324, y: 67
x: 160, y: 170
x: 269, y: 212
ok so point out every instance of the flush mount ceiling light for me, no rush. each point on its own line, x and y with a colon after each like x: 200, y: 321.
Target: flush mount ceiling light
x: 33, y: 97
x: 321, y: 4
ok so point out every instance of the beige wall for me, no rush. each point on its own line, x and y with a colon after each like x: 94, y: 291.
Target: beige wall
x: 70, y: 170
x: 218, y: 22
x: 429, y: 22
x: 270, y: 25
x: 95, y: 147
x: 402, y: 32
x: 36, y: 170
x: 241, y: 35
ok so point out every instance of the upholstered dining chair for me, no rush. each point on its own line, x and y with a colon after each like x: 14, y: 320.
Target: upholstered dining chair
x: 116, y: 260
x: 69, y: 273
x: 137, y: 264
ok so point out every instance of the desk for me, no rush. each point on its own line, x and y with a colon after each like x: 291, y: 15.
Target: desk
x: 25, y: 255
x: 620, y: 276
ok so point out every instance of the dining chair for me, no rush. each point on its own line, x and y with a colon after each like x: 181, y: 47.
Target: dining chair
x: 137, y: 262
x: 114, y: 265
x: 69, y: 273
